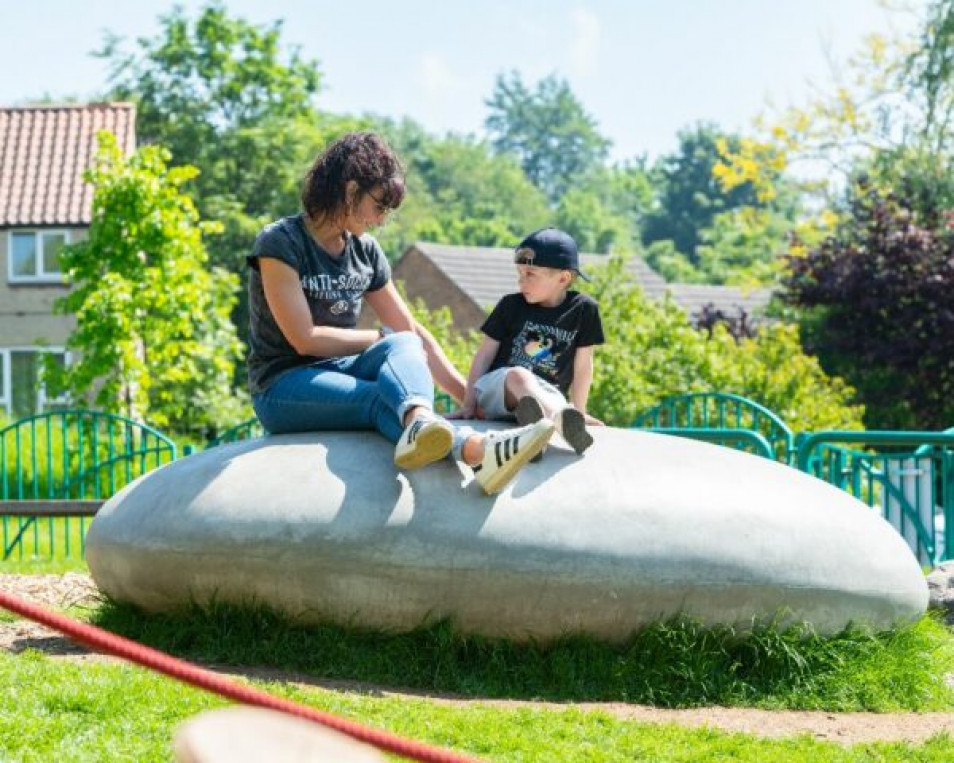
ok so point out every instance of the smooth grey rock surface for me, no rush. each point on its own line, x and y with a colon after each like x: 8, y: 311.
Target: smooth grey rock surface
x: 644, y: 526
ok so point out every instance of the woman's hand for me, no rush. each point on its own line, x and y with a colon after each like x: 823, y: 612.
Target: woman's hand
x: 466, y: 412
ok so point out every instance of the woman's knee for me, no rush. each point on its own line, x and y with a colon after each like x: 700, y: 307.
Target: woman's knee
x: 402, y: 339
x: 403, y: 343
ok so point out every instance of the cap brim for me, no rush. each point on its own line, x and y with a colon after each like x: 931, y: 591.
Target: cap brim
x: 583, y: 275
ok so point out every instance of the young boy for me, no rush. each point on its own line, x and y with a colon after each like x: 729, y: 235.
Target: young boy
x: 538, y: 344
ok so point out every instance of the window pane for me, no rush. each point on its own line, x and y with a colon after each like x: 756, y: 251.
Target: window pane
x: 23, y: 254
x: 24, y: 383
x: 52, y: 244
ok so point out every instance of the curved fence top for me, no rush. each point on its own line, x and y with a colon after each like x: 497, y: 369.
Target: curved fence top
x: 720, y: 410
x: 77, y: 454
x: 245, y: 431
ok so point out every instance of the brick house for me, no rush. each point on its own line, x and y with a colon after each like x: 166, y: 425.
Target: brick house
x: 44, y: 204
x: 470, y: 279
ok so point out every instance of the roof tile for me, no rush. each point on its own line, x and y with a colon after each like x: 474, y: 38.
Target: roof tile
x: 44, y: 151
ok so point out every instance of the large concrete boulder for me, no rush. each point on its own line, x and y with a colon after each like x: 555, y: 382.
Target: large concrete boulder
x: 643, y: 527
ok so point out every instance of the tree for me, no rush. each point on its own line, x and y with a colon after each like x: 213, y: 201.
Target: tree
x: 888, y: 115
x: 217, y: 93
x: 459, y: 192
x: 877, y: 300
x: 689, y: 195
x: 547, y: 130
x: 153, y: 336
x: 594, y: 227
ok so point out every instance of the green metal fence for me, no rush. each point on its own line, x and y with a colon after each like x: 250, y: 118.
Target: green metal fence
x: 245, y: 431
x: 56, y: 466
x: 907, y: 476
x: 701, y: 413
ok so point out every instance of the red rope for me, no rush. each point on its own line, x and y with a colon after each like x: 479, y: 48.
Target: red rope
x: 110, y: 643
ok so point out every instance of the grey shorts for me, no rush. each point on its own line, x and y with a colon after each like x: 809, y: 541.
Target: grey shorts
x: 492, y: 401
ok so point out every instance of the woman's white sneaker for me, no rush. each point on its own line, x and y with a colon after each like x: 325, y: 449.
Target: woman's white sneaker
x: 507, y: 452
x: 424, y: 441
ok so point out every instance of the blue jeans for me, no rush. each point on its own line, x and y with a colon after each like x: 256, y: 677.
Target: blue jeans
x: 372, y: 390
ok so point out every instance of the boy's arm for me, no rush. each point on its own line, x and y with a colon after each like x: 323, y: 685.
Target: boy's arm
x: 482, y: 360
x: 582, y: 379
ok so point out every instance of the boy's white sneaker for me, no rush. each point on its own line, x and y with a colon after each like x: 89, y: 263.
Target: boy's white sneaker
x: 507, y: 452
x: 425, y: 440
x: 571, y: 424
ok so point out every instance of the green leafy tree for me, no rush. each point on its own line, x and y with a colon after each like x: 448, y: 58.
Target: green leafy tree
x: 153, y: 338
x: 689, y: 195
x: 653, y: 351
x: 594, y: 227
x: 876, y: 296
x: 221, y: 94
x: 547, y: 129
x: 459, y: 192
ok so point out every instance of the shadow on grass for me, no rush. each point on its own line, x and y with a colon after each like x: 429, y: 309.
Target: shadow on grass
x: 673, y: 664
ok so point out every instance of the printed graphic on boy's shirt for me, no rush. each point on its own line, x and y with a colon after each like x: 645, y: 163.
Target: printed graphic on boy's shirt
x: 539, y: 347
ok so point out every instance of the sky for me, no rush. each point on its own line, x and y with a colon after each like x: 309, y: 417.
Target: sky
x: 643, y: 69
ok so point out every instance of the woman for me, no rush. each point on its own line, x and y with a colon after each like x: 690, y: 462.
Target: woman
x: 311, y: 369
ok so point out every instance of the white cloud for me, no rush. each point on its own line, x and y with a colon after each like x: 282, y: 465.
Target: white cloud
x: 585, y: 43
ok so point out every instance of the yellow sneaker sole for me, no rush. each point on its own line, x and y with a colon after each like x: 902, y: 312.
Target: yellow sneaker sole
x: 432, y: 445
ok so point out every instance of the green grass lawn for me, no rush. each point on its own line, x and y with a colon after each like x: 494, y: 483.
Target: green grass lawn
x: 64, y: 711
x: 71, y: 712
x: 675, y: 664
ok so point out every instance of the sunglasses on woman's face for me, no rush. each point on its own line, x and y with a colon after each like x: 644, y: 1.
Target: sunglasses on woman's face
x: 383, y: 209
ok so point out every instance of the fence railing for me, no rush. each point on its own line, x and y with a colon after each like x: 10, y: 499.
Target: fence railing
x: 711, y: 411
x: 740, y: 439
x: 909, y: 478
x: 59, y: 466
x: 245, y: 431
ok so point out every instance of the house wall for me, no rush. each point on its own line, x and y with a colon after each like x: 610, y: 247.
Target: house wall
x: 425, y: 281
x: 26, y: 309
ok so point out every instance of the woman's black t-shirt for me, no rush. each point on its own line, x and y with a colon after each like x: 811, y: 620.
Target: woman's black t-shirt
x: 333, y: 287
x: 544, y: 339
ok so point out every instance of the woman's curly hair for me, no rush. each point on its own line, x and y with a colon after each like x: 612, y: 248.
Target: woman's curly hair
x: 360, y: 156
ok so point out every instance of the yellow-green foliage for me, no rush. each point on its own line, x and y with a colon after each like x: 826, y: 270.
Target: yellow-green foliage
x: 652, y: 351
x: 459, y: 346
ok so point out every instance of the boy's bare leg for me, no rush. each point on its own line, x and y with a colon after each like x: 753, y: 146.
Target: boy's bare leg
x: 522, y: 383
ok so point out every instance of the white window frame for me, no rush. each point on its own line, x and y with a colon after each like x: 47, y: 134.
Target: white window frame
x: 42, y: 401
x: 55, y: 277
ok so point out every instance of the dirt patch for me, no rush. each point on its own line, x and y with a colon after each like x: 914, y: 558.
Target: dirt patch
x: 74, y: 589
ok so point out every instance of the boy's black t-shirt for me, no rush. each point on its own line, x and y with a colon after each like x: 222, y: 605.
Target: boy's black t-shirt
x: 333, y: 287
x: 544, y: 339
